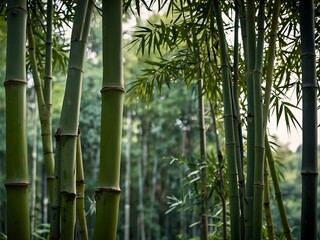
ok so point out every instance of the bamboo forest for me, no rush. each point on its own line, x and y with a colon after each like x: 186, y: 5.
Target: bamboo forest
x: 159, y: 119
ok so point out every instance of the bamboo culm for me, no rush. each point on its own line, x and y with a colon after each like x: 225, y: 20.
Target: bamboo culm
x: 229, y: 130
x: 69, y: 119
x: 309, y: 169
x: 17, y: 179
x: 112, y: 94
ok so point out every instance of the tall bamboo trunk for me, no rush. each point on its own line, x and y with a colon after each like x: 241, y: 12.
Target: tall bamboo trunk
x: 69, y: 120
x: 229, y: 129
x: 237, y: 121
x: 259, y: 144
x: 250, y: 60
x: 17, y: 180
x: 128, y: 177
x: 309, y: 170
x: 112, y: 93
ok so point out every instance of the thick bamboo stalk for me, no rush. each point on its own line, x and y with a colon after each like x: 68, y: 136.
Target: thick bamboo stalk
x: 309, y: 169
x: 259, y: 143
x: 112, y: 93
x: 229, y: 130
x: 69, y: 121
x: 17, y: 179
x: 250, y: 44
x: 81, y: 214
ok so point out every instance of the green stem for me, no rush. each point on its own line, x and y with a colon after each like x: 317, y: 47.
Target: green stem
x: 81, y: 215
x: 266, y: 203
x: 55, y: 205
x: 112, y: 93
x: 277, y: 191
x: 17, y: 179
x: 259, y: 143
x: 69, y: 119
x: 250, y: 48
x: 44, y: 114
x: 229, y: 130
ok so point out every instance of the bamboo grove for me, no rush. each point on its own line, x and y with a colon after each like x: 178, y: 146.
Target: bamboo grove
x: 238, y: 60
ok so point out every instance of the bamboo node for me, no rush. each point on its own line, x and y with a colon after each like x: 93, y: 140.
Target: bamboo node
x: 309, y: 172
x: 112, y: 88
x: 17, y: 185
x: 14, y: 81
x: 69, y: 196
x: 107, y: 189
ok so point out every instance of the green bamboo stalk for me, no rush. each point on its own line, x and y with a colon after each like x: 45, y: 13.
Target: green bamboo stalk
x: 47, y: 95
x: 269, y: 82
x: 203, y: 167
x: 34, y: 169
x: 81, y: 215
x: 221, y: 173
x: 259, y: 137
x: 48, y: 59
x: 128, y: 176
x: 229, y: 130
x: 55, y: 205
x: 112, y: 92
x: 266, y: 203
x: 237, y: 121
x: 309, y: 169
x: 69, y: 120
x: 44, y: 113
x: 17, y: 180
x: 250, y: 44
x: 277, y: 191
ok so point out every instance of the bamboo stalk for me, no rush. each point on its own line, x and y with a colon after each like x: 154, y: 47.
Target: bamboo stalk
x: 237, y: 122
x: 309, y: 169
x: 221, y: 173
x: 55, y: 205
x: 112, y: 93
x: 250, y: 44
x: 259, y: 143
x: 17, y: 179
x: 44, y: 114
x: 266, y: 203
x: 128, y: 176
x: 69, y: 120
x: 269, y: 82
x: 278, y: 194
x: 229, y: 130
x: 81, y: 214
